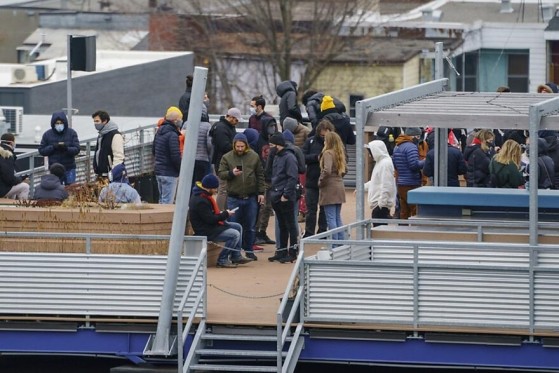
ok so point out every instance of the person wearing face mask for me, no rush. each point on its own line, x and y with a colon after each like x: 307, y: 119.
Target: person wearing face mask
x: 257, y: 114
x: 166, y: 150
x: 61, y: 145
x: 109, y: 151
x: 408, y: 168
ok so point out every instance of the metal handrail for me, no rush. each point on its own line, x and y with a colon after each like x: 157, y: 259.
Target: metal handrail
x: 182, y: 333
x: 284, y: 331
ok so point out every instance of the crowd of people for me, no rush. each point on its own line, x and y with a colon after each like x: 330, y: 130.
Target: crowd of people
x: 482, y: 158
x: 290, y: 169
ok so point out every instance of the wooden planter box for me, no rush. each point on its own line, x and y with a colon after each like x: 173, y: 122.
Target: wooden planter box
x: 155, y: 219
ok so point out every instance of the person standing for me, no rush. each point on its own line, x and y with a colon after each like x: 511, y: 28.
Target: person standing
x: 312, y: 150
x: 455, y: 162
x: 202, y: 165
x: 505, y: 166
x: 11, y: 186
x: 222, y: 133
x: 110, y: 144
x: 242, y: 169
x: 283, y: 195
x: 207, y: 220
x: 408, y: 168
x: 288, y: 107
x: 257, y: 114
x: 478, y: 156
x: 184, y: 101
x: 61, y: 145
x: 382, y: 186
x: 333, y: 167
x: 166, y: 150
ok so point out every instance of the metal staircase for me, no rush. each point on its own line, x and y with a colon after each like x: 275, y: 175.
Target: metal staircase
x: 242, y: 350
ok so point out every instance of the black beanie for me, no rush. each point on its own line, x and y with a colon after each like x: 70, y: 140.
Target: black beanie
x: 277, y: 139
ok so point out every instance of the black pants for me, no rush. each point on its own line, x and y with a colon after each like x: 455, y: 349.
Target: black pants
x: 285, y: 215
x: 380, y: 213
x: 311, y: 196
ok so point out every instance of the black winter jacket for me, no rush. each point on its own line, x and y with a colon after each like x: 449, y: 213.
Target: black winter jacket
x: 222, y: 138
x: 311, y: 150
x: 284, y: 176
x: 342, y: 124
x: 51, y: 143
x: 455, y: 165
x: 7, y: 171
x: 167, y: 150
x: 205, y: 222
x: 288, y: 107
x: 50, y: 188
x: 478, y: 166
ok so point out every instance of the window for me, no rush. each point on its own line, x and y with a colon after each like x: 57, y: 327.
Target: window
x: 518, y: 65
x: 352, y: 100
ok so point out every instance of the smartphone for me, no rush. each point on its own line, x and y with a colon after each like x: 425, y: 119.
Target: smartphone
x: 240, y: 168
x: 235, y: 209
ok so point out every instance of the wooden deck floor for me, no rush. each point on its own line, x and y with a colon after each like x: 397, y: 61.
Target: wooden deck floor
x: 250, y: 294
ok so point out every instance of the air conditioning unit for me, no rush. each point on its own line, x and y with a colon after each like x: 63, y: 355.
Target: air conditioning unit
x: 14, y: 118
x: 24, y: 74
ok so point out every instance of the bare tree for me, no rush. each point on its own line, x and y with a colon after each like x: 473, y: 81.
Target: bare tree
x: 274, y: 35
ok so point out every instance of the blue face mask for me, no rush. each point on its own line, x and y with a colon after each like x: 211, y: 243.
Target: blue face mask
x: 59, y: 127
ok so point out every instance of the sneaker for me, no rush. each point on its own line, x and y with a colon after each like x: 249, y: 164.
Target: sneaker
x: 241, y: 260
x: 226, y: 265
x: 251, y: 256
x: 257, y: 248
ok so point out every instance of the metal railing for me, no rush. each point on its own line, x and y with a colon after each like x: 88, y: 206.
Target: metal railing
x: 284, y: 331
x: 200, y: 269
x: 421, y: 284
x: 137, y: 150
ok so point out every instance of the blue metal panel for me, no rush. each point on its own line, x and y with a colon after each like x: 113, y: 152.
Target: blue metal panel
x: 82, y: 341
x: 415, y: 351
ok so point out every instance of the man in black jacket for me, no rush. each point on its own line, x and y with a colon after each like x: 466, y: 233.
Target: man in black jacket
x: 110, y: 144
x: 11, y: 186
x: 207, y: 220
x: 222, y: 133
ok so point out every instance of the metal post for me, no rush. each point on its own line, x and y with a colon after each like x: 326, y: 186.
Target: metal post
x: 69, y: 82
x: 441, y: 134
x: 161, y: 342
x: 360, y: 118
x: 534, y: 116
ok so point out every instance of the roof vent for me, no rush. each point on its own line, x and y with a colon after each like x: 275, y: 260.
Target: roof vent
x: 506, y: 7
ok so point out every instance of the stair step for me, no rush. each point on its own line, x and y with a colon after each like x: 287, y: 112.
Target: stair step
x: 238, y: 353
x: 232, y: 368
x: 241, y: 337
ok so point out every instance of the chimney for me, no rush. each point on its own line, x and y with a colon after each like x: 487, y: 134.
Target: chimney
x: 506, y: 7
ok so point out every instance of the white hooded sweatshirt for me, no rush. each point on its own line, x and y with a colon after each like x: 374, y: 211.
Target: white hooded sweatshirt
x: 382, y: 186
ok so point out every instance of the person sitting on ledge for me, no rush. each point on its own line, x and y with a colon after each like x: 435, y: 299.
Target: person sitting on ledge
x: 119, y: 191
x: 51, y: 187
x: 207, y: 220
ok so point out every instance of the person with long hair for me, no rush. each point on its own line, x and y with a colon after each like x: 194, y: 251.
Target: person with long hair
x: 478, y: 156
x: 333, y: 167
x: 505, y: 166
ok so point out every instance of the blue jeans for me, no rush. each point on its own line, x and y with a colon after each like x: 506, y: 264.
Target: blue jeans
x: 246, y: 216
x: 334, y: 219
x: 232, y: 243
x: 70, y: 176
x: 167, y: 186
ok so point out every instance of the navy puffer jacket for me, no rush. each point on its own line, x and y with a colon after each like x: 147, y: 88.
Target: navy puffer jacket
x: 167, y: 151
x: 51, y: 143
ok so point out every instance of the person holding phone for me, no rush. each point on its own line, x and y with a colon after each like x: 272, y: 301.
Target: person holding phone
x: 242, y: 170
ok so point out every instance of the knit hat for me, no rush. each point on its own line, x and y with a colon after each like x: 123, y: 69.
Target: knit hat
x: 252, y: 137
x: 277, y: 139
x: 118, y: 173
x: 57, y: 170
x: 173, y: 110
x: 288, y: 136
x: 235, y: 113
x: 210, y: 181
x: 327, y: 103
x: 413, y: 131
x: 290, y: 124
x: 240, y: 137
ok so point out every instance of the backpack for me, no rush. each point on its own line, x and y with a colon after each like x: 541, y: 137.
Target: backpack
x: 211, y: 132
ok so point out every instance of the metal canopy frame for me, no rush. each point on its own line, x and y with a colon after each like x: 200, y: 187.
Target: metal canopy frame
x: 430, y: 105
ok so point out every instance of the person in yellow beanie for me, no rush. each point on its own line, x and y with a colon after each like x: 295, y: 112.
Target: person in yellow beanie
x: 339, y: 120
x: 167, y: 155
x: 327, y: 103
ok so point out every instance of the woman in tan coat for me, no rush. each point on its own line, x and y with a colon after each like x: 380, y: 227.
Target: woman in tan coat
x: 333, y: 166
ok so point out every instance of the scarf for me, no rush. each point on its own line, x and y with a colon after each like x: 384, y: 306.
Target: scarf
x: 110, y: 126
x: 212, y: 200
